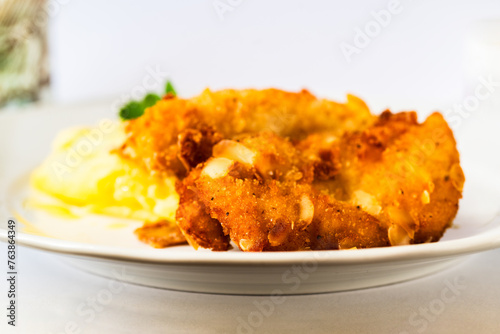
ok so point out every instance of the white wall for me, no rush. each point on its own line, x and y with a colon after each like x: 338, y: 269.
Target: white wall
x: 102, y: 49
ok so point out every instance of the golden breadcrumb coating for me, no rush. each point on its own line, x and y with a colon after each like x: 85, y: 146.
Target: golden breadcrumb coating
x: 176, y: 134
x: 405, y: 173
x: 276, y: 171
x: 195, y: 222
x: 160, y: 234
x: 259, y: 189
x: 395, y: 182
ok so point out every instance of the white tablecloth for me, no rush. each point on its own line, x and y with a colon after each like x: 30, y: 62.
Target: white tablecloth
x: 56, y: 298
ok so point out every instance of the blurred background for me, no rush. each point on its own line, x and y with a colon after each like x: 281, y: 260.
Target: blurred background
x: 402, y: 49
x: 393, y: 53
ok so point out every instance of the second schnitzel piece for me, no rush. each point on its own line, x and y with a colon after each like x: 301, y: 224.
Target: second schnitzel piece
x: 176, y: 134
x: 396, y: 182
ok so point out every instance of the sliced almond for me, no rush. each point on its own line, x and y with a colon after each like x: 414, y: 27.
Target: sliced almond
x: 402, y: 219
x: 233, y: 150
x: 398, y: 236
x: 278, y: 233
x: 217, y: 167
x: 457, y: 177
x: 245, y: 244
x: 306, y: 209
x: 426, y: 198
x: 367, y: 202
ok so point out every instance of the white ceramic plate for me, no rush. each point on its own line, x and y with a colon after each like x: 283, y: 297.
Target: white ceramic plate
x: 95, y: 244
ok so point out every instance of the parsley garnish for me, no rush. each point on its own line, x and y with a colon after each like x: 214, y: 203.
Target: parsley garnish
x: 150, y: 100
x: 131, y: 110
x: 134, y: 109
x: 169, y: 89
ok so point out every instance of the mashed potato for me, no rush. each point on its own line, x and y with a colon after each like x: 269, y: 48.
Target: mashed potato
x: 83, y: 171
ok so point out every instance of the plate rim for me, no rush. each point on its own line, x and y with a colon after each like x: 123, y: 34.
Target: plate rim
x: 486, y: 240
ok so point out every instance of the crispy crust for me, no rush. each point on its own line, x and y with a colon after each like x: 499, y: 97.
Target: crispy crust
x: 195, y: 222
x: 160, y: 234
x: 156, y: 138
x: 278, y: 171
x: 396, y: 182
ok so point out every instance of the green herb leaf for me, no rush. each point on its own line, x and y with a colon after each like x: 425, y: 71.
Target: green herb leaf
x: 135, y: 109
x: 169, y: 89
x: 150, y: 100
x: 131, y: 110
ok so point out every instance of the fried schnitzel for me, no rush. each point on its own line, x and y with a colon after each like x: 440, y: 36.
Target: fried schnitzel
x: 175, y: 135
x: 394, y: 182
